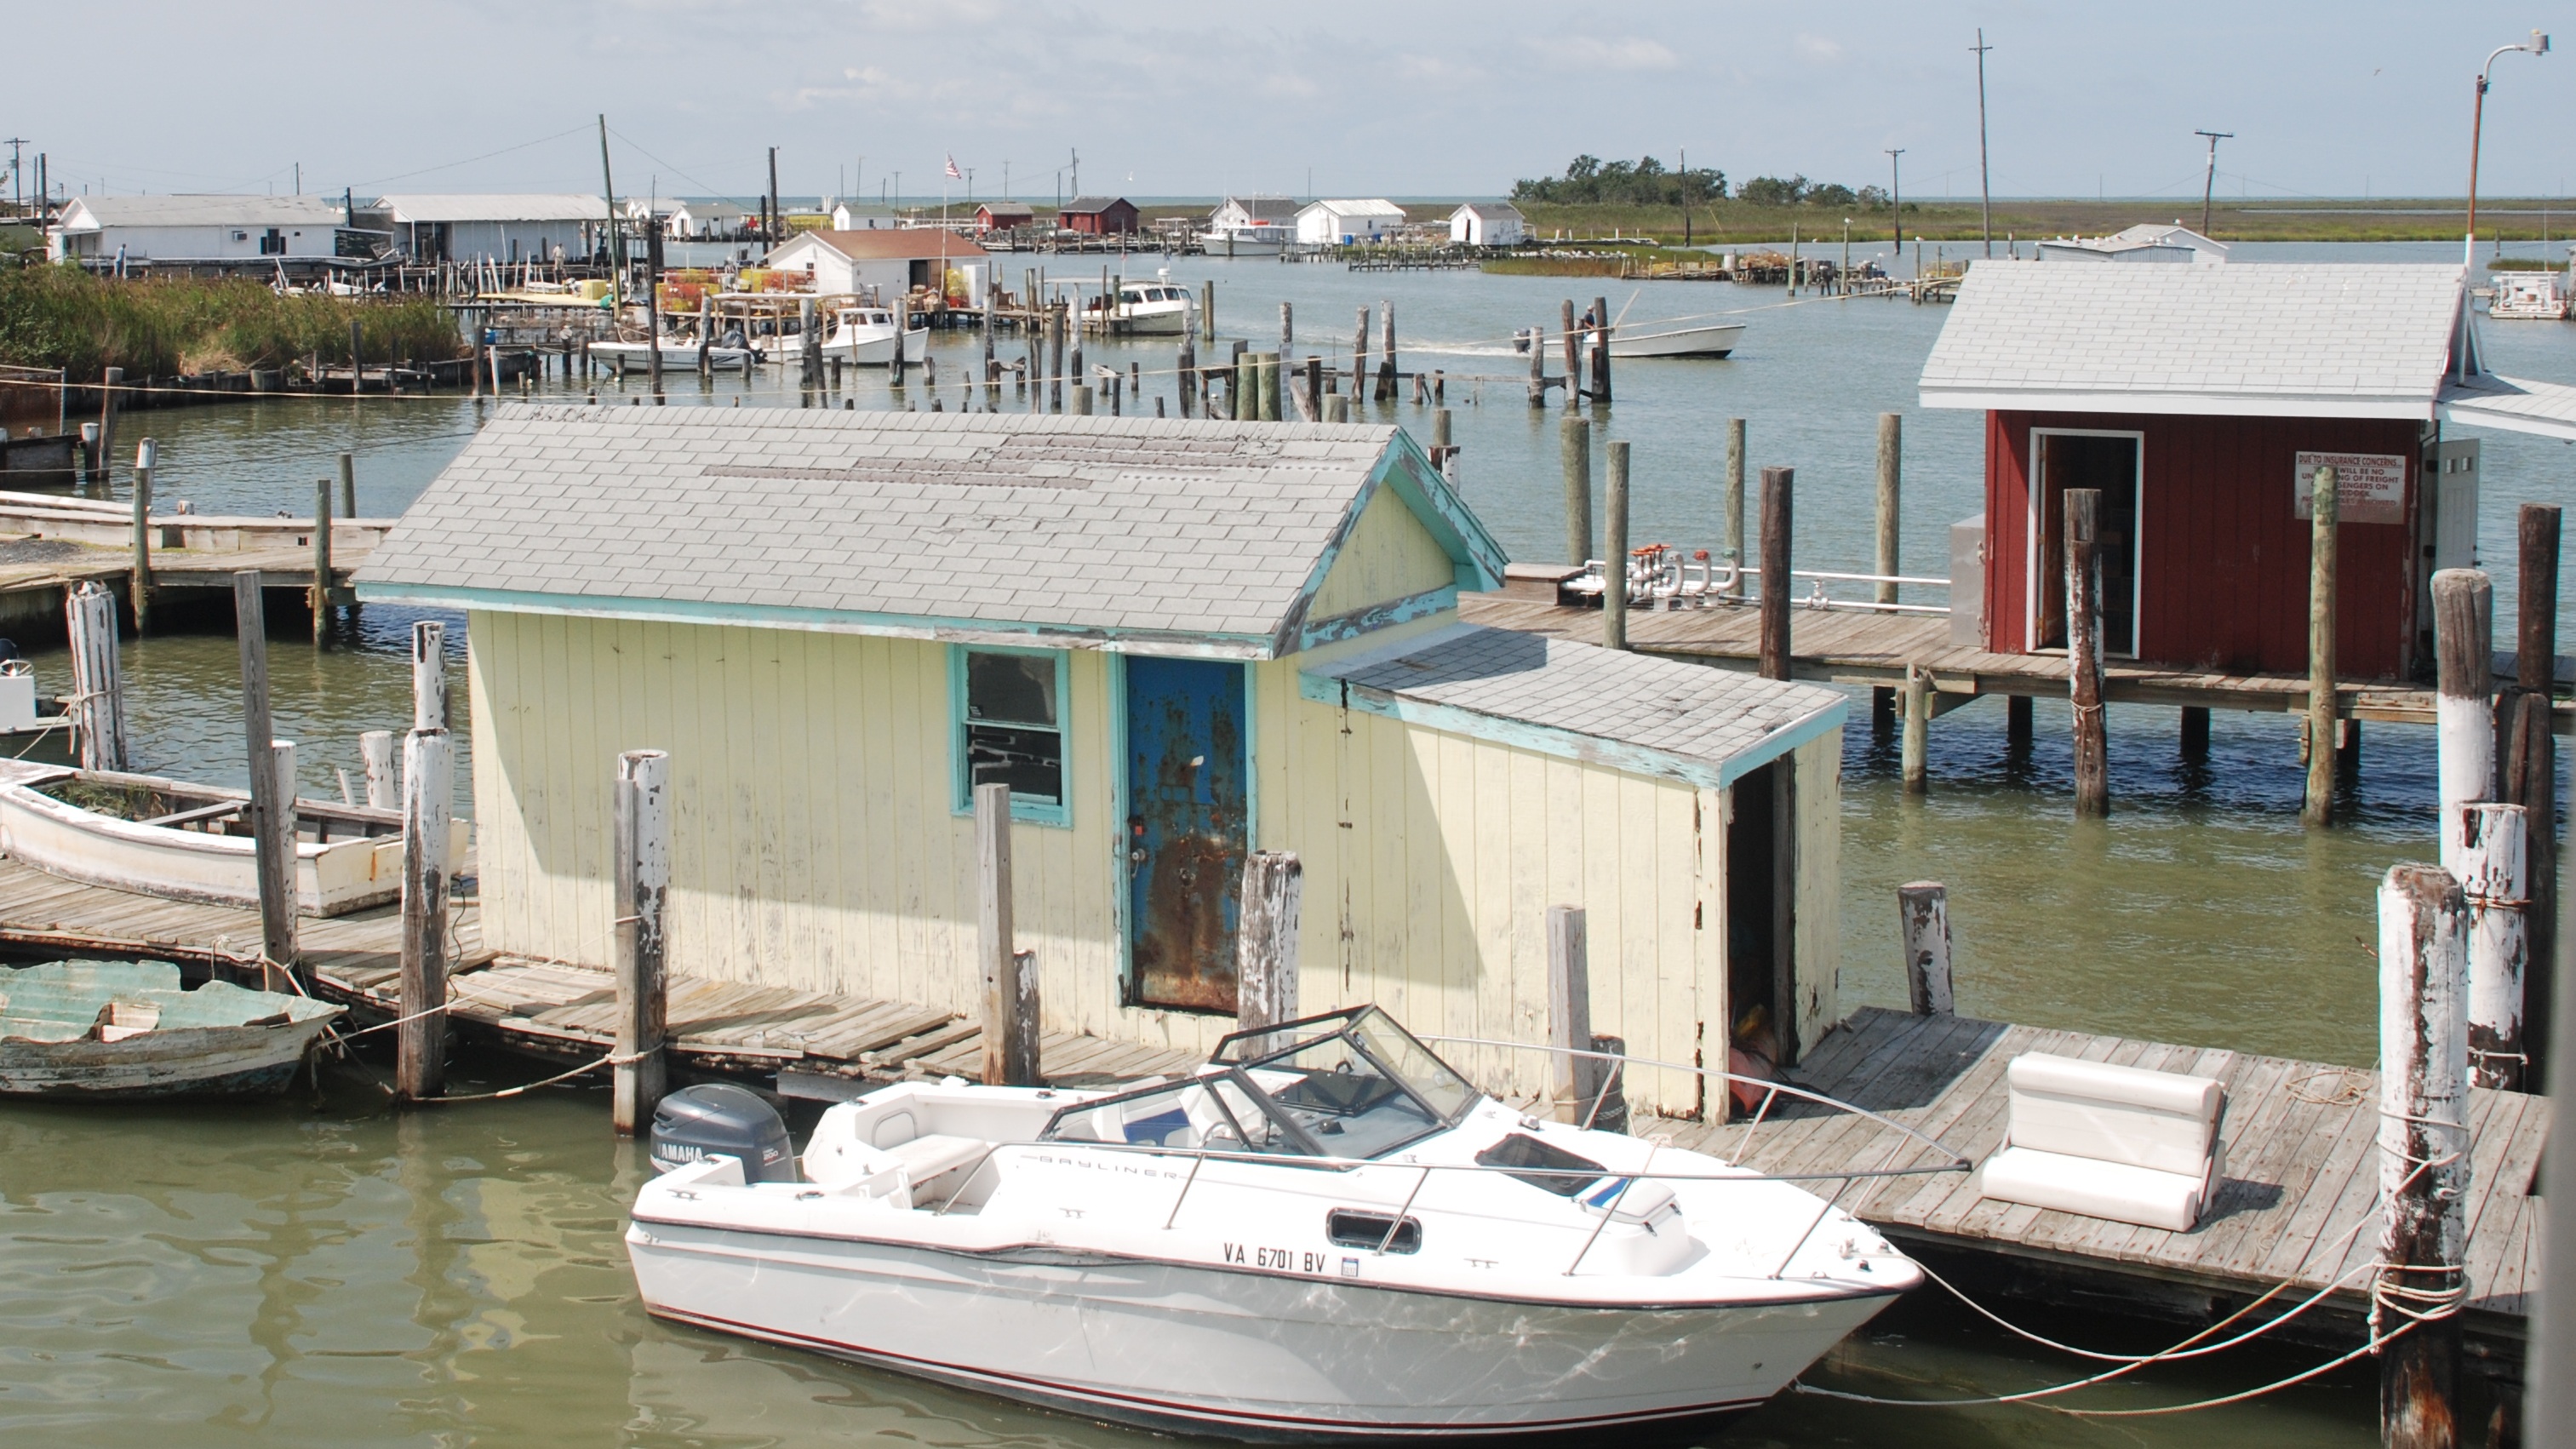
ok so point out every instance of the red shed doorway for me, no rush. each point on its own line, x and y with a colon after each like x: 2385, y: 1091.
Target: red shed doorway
x: 2114, y: 463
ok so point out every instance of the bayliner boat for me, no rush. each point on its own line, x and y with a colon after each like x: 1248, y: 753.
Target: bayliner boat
x: 1325, y: 1233
x: 1154, y: 308
x: 865, y: 336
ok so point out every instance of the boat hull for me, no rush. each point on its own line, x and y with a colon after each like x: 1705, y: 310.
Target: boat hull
x: 219, y: 1061
x: 1268, y: 1357
x: 1221, y: 245
x: 1684, y: 342
x: 872, y: 351
x: 637, y: 357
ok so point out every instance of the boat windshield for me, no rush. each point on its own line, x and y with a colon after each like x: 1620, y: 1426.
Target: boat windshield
x: 1350, y: 1085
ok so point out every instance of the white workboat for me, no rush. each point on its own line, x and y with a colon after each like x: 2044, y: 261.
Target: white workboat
x: 2528, y: 297
x: 679, y: 354
x: 1155, y: 308
x: 1246, y: 241
x: 864, y: 337
x: 1324, y: 1234
x: 1675, y: 339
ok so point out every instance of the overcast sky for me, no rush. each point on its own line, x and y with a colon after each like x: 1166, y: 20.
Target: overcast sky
x: 1392, y: 97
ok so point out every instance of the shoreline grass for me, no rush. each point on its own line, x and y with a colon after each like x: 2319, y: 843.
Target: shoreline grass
x: 63, y: 317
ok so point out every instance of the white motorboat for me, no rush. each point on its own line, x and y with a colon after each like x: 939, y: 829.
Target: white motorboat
x: 1246, y: 241
x: 1324, y: 1234
x: 1155, y: 308
x: 679, y: 354
x: 2528, y: 297
x: 1675, y: 339
x: 865, y: 336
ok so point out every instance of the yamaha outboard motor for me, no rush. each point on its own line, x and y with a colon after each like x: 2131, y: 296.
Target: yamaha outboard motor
x: 719, y: 1119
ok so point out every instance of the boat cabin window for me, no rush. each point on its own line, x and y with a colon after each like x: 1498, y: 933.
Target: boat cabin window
x: 1356, y: 1082
x: 1219, y: 1112
x: 1542, y: 1165
x: 1349, y: 1228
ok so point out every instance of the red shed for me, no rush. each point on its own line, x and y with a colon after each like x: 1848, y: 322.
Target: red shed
x: 2197, y: 399
x: 1098, y: 215
x: 1002, y: 216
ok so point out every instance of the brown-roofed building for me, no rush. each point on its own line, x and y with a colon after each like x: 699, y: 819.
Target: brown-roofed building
x: 1098, y: 216
x: 888, y: 261
x: 1003, y: 216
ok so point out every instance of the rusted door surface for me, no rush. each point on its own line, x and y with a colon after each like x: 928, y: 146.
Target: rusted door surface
x: 1187, y: 798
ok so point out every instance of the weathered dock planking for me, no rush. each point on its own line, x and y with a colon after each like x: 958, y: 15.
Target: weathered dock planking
x: 2299, y: 1202
x: 1855, y: 647
x: 551, y: 1009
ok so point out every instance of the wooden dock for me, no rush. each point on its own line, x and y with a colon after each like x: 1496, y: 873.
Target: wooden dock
x: 1855, y: 647
x: 2298, y: 1204
x: 52, y: 542
x: 552, y: 1009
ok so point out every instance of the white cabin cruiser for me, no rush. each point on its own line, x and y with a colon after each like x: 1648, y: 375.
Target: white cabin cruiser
x: 1154, y: 308
x: 1256, y: 240
x: 865, y: 336
x: 1324, y: 1234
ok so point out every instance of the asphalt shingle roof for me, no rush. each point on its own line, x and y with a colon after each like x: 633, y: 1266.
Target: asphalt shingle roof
x: 2350, y: 341
x: 968, y: 525
x: 1687, y: 721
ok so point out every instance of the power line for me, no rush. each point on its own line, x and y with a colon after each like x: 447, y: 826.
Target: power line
x: 470, y: 160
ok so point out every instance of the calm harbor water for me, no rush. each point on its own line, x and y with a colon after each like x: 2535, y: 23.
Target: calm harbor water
x: 317, y: 1271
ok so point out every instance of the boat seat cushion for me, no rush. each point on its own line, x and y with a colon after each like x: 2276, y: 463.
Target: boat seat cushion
x: 2122, y: 1143
x: 2112, y: 1190
x: 893, y: 1130
x: 928, y: 1156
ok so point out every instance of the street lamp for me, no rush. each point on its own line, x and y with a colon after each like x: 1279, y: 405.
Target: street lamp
x: 2538, y: 44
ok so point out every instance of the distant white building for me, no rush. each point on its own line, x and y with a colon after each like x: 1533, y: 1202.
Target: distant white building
x: 2146, y: 242
x: 703, y: 221
x: 1487, y: 224
x: 1345, y: 220
x: 207, y: 228
x: 887, y: 262
x: 846, y: 217
x: 495, y: 226
x: 1243, y: 213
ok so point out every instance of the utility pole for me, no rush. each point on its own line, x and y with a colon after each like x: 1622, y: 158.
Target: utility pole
x: 1985, y: 186
x: 1077, y: 173
x: 18, y: 180
x: 1896, y: 193
x: 1006, y: 178
x: 2209, y: 178
x: 769, y: 228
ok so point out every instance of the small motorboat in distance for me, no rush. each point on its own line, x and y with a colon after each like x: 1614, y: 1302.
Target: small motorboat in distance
x: 679, y: 354
x: 1323, y: 1234
x: 104, y: 1029
x: 1675, y: 339
x: 1154, y: 308
x: 864, y: 337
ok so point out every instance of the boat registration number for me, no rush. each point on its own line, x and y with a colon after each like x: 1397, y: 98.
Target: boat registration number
x: 1286, y: 1260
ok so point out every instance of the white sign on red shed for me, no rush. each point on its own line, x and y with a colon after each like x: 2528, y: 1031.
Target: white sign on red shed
x: 2369, y: 487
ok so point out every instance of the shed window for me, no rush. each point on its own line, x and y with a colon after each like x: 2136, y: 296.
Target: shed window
x: 1010, y: 729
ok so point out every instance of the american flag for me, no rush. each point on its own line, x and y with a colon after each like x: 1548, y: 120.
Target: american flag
x: 953, y: 173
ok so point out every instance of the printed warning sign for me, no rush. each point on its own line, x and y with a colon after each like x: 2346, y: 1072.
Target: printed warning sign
x: 2369, y: 487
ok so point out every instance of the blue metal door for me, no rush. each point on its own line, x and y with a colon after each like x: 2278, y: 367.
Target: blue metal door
x: 1187, y: 832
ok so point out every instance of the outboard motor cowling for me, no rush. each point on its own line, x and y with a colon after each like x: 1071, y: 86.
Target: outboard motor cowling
x: 718, y: 1119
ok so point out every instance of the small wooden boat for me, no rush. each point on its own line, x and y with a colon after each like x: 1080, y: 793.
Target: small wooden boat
x: 100, y: 1029
x: 188, y: 842
x: 1676, y: 339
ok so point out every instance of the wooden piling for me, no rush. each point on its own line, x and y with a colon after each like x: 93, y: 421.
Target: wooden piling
x: 111, y: 386
x: 2018, y: 730
x: 429, y: 675
x: 1187, y: 368
x: 2463, y: 704
x: 1385, y: 392
x: 357, y: 365
x: 98, y: 679
x: 1777, y: 484
x: 321, y: 591
x: 1306, y: 390
x: 376, y: 757
x: 1207, y: 310
x: 2084, y: 651
x: 1735, y: 505
x: 639, y: 897
x: 1265, y: 972
x: 1614, y: 549
x: 420, y: 1043
x: 1337, y: 409
x: 1572, y: 336
x: 1359, y: 356
x: 1266, y: 389
x: 2494, y: 879
x: 1601, y: 351
x: 1538, y: 368
x: 2531, y: 768
x: 1574, y: 454
x: 348, y: 485
x: 1010, y: 982
x: 1569, y: 1014
x: 2195, y: 732
x: 1923, y: 923
x: 2423, y: 1150
x: 138, y: 583
x: 1287, y: 331
x: 2323, y: 510
x: 1918, y: 722
x: 1082, y: 399
x: 272, y: 819
x: 1891, y: 452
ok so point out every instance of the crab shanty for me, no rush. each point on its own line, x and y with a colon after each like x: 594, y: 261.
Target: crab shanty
x: 1178, y: 643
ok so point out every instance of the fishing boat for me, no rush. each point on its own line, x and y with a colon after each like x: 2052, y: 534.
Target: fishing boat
x: 679, y: 354
x: 108, y: 1029
x: 1324, y: 1233
x: 1246, y: 241
x: 1155, y: 308
x: 2528, y: 297
x: 865, y: 336
x: 189, y: 842
x: 1675, y: 339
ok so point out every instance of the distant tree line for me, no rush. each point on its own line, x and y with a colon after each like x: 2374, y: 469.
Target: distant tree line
x: 1591, y: 181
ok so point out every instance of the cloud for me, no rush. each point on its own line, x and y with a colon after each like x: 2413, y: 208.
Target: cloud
x: 1818, y: 47
x: 1633, y: 52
